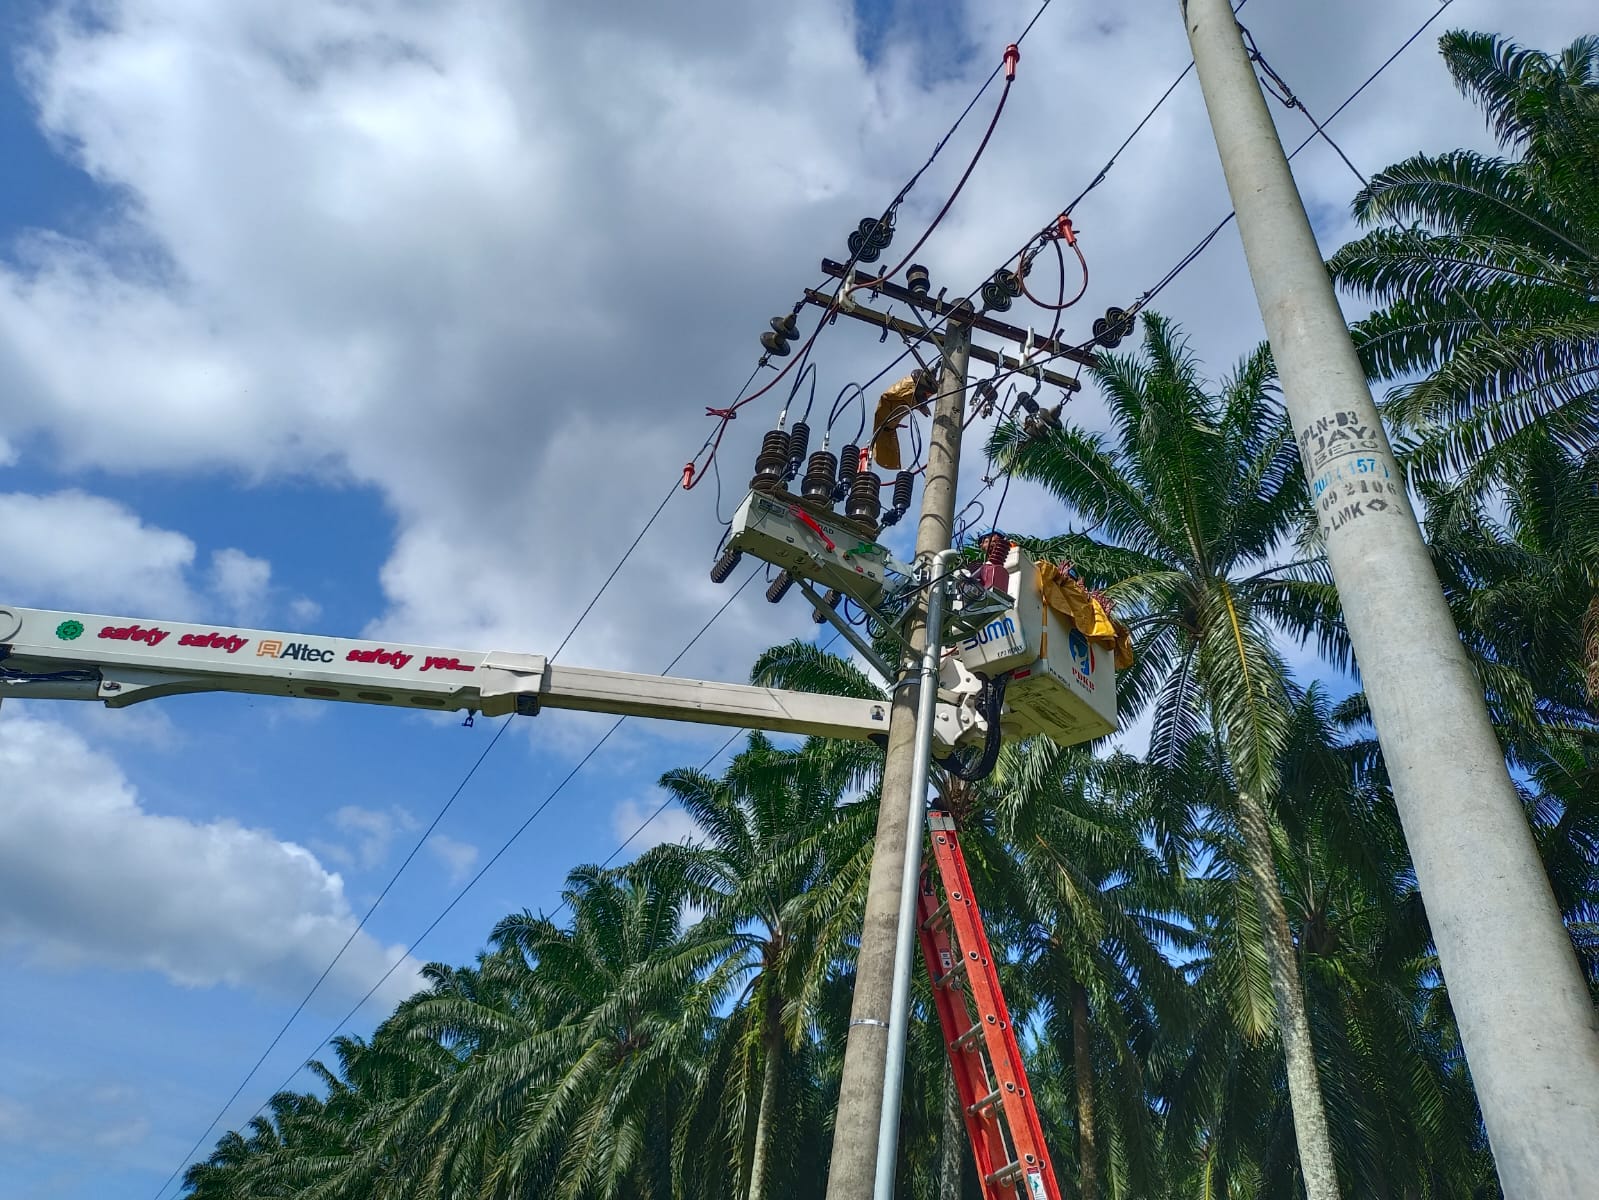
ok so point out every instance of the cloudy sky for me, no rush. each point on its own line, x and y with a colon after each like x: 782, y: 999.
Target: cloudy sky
x: 397, y: 319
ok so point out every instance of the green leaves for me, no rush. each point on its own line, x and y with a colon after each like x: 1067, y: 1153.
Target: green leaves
x: 1485, y: 270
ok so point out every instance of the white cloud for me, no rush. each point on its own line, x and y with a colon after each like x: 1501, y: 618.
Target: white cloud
x: 304, y: 610
x: 8, y: 453
x: 89, y: 552
x: 74, y: 550
x: 458, y: 857
x: 671, y: 825
x: 412, y: 245
x: 89, y: 876
x: 374, y: 830
x: 240, y: 583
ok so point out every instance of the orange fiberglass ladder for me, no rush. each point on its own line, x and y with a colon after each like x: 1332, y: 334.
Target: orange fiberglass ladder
x: 1001, y: 1119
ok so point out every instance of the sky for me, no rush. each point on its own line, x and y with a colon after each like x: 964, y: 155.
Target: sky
x: 397, y: 320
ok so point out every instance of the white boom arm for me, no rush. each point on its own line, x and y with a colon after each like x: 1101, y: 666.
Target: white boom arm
x: 121, y: 661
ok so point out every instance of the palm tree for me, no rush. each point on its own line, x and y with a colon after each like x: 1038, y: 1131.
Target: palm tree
x: 782, y: 862
x: 1402, y: 1112
x: 1486, y: 268
x: 1090, y: 907
x: 576, y: 1056
x: 1196, y: 527
x: 1485, y: 272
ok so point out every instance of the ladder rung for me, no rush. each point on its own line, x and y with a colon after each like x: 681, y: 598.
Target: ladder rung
x: 942, y: 914
x: 1009, y: 1173
x: 992, y: 1100
x: 968, y: 1039
x: 949, y: 976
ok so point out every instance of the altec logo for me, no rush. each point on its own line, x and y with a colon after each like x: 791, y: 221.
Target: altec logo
x: 135, y: 633
x: 214, y: 641
x: 299, y: 651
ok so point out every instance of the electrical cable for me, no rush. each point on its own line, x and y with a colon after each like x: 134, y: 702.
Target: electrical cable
x: 412, y: 853
x: 1274, y: 84
x: 484, y: 869
x: 840, y: 406
x: 1205, y: 241
x: 960, y: 184
x: 810, y: 369
x: 667, y: 803
x: 1007, y: 64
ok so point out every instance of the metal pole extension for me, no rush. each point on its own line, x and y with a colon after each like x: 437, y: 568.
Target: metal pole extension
x: 899, y: 1009
x: 1529, y: 1029
x: 852, y: 1169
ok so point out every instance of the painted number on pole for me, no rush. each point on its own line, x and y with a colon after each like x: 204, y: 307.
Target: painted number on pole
x: 1347, y: 463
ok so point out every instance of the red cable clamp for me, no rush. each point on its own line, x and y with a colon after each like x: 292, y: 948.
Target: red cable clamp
x: 727, y: 414
x: 1013, y: 55
x: 810, y: 521
x: 1063, y: 229
x: 688, y: 476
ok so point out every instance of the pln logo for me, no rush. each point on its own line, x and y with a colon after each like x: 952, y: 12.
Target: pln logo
x: 1082, y: 652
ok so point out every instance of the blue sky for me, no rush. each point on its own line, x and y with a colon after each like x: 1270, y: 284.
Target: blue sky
x: 399, y: 321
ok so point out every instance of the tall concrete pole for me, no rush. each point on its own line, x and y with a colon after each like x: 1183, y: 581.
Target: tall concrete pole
x: 1530, y: 1032
x: 860, y: 1094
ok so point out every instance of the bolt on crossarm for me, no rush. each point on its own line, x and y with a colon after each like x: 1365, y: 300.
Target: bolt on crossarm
x: 1529, y: 1028
x: 852, y: 1170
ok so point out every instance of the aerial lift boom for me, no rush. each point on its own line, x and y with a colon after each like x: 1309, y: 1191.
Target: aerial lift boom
x: 121, y: 661
x: 998, y: 678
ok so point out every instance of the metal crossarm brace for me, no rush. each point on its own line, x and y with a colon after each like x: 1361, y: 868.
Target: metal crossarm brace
x: 990, y: 1077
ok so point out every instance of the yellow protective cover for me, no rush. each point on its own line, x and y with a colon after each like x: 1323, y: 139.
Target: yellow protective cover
x: 1072, y: 601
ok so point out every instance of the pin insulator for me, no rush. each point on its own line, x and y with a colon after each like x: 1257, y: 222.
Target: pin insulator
x: 726, y: 565
x: 799, y: 441
x: 865, y: 503
x: 903, y: 483
x: 784, y: 330
x: 772, y: 462
x: 830, y: 601
x: 918, y: 280
x: 849, y: 465
x: 821, y: 473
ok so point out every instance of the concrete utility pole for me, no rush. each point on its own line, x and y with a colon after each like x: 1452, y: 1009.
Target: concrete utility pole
x: 860, y: 1097
x: 1530, y: 1030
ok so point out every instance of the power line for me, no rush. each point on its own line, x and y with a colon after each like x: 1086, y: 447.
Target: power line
x: 415, y: 849
x: 667, y: 803
x: 1205, y: 241
x: 694, y: 472
x: 482, y: 871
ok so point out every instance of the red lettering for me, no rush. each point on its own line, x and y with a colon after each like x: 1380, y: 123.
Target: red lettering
x: 135, y: 633
x: 390, y: 658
